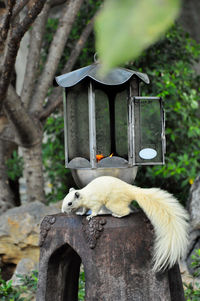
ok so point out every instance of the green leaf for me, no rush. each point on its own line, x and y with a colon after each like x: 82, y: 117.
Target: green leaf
x: 125, y: 28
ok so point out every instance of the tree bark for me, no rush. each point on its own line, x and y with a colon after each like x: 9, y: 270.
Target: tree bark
x: 33, y: 59
x: 189, y: 17
x: 20, y: 5
x: 193, y: 206
x: 33, y: 173
x: 15, y: 36
x: 6, y: 195
x: 70, y: 11
x: 4, y: 28
x: 27, y: 131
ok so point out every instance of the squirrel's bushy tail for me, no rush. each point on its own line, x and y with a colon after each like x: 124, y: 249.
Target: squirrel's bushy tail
x: 170, y: 221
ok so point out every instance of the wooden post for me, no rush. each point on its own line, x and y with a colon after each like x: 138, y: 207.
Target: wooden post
x: 116, y: 254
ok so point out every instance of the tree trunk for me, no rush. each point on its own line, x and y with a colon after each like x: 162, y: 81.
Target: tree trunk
x: 193, y: 206
x: 189, y: 17
x: 16, y: 34
x: 22, y: 111
x: 33, y: 173
x: 6, y: 195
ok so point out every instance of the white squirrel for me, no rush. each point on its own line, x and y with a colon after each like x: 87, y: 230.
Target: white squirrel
x: 167, y: 216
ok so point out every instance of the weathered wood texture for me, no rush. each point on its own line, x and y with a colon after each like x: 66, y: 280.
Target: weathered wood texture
x: 116, y: 254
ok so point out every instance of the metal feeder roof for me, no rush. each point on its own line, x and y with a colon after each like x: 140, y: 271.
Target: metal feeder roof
x: 116, y: 76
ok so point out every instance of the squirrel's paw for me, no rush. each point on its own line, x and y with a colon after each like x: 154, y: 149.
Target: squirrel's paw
x: 89, y: 217
x: 115, y: 215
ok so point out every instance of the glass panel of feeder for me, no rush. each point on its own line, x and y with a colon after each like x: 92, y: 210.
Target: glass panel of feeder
x: 148, y: 131
x: 78, y: 122
x: 103, y: 138
x: 121, y: 124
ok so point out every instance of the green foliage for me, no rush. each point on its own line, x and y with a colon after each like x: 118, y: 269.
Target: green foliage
x: 7, y: 292
x: 51, y: 27
x: 14, y: 166
x: 192, y: 290
x: 29, y: 282
x: 192, y: 293
x: 169, y: 64
x: 196, y: 263
x: 81, y: 291
x: 28, y: 286
x: 130, y: 27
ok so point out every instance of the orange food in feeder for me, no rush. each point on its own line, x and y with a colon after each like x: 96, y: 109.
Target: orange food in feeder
x: 101, y: 156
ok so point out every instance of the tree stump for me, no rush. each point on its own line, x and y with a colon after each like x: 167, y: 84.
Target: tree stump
x: 116, y: 255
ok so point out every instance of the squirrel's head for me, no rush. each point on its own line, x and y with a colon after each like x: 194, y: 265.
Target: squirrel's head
x: 72, y: 201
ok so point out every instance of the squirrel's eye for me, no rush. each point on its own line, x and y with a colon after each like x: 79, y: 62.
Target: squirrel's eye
x: 70, y: 203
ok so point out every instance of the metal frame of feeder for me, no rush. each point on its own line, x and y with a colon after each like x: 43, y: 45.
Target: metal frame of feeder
x: 92, y: 125
x: 65, y: 128
x: 131, y: 128
x: 134, y: 129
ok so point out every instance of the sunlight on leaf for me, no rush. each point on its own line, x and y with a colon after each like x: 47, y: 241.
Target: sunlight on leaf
x: 125, y: 28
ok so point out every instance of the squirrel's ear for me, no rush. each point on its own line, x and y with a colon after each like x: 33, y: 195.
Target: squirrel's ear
x: 71, y: 189
x: 77, y: 194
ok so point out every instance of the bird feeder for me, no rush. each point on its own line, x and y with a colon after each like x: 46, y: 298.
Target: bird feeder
x: 109, y: 128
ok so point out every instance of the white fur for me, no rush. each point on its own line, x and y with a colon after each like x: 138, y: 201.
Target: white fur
x: 168, y: 217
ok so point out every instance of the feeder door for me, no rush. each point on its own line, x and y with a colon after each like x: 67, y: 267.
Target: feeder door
x: 149, y: 130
